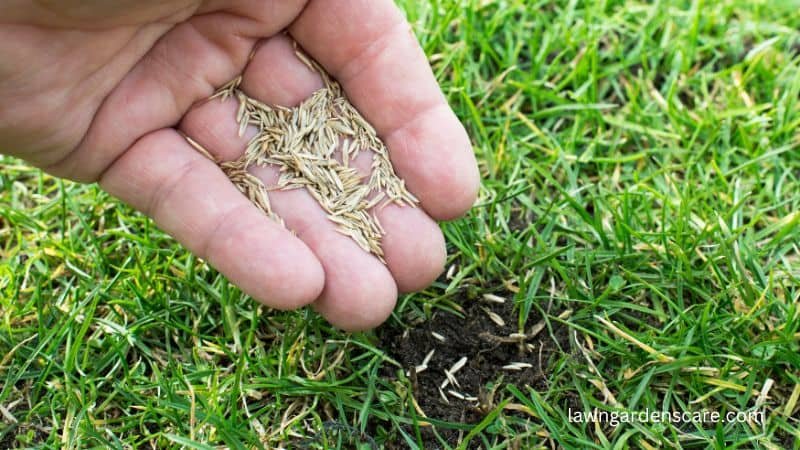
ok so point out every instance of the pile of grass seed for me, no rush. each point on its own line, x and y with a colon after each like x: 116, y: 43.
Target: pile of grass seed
x: 313, y: 146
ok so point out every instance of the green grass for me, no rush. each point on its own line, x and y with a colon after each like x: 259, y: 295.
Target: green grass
x: 641, y: 167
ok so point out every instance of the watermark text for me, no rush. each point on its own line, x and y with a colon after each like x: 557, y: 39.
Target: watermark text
x: 615, y: 418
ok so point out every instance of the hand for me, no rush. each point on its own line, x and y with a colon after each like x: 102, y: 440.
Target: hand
x: 100, y: 91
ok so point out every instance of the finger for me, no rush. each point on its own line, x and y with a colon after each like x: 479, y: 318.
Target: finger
x: 155, y: 83
x: 413, y: 246
x: 192, y: 200
x: 359, y: 292
x: 368, y: 46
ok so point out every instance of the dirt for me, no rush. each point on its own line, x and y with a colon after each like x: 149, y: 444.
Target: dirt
x: 487, y: 347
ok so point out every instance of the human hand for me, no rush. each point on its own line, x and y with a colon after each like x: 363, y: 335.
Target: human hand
x: 99, y: 91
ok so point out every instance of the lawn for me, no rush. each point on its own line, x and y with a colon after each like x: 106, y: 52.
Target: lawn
x: 634, y: 249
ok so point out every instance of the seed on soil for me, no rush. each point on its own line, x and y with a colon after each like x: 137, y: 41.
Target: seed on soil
x: 536, y: 329
x: 517, y: 366
x: 487, y: 348
x: 494, y: 298
x: 449, y: 379
x: 438, y: 336
x: 417, y: 369
x: 458, y: 365
x: 461, y: 396
x: 456, y: 394
x: 450, y: 373
x: 302, y: 142
x: 424, y: 365
x: 494, y: 317
x: 428, y: 357
x: 444, y: 397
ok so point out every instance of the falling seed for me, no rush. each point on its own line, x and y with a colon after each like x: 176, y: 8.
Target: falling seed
x: 450, y: 272
x: 494, y: 298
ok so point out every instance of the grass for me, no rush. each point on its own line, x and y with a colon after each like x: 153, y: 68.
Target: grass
x: 641, y: 167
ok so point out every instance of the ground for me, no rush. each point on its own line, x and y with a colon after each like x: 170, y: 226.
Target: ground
x: 639, y: 208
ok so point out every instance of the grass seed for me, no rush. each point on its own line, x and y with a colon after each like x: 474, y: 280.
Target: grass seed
x: 302, y: 142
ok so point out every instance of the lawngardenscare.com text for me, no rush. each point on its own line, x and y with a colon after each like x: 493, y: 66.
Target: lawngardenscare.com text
x: 614, y: 418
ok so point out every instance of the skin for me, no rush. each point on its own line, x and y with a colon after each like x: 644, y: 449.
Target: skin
x: 99, y: 91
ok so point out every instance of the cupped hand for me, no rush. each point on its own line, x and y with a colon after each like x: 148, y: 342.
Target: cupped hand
x: 99, y: 91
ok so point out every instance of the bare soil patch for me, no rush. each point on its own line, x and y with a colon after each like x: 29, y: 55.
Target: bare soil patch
x: 496, y: 353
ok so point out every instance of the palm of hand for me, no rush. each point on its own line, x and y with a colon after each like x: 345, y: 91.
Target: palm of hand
x: 106, y: 103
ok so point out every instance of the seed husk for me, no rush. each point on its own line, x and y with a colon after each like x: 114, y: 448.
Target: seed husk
x: 517, y: 366
x: 458, y: 365
x: 494, y: 298
x: 494, y: 317
x: 438, y: 336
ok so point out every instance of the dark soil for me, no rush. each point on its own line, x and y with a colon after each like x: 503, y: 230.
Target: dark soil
x: 486, y: 346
